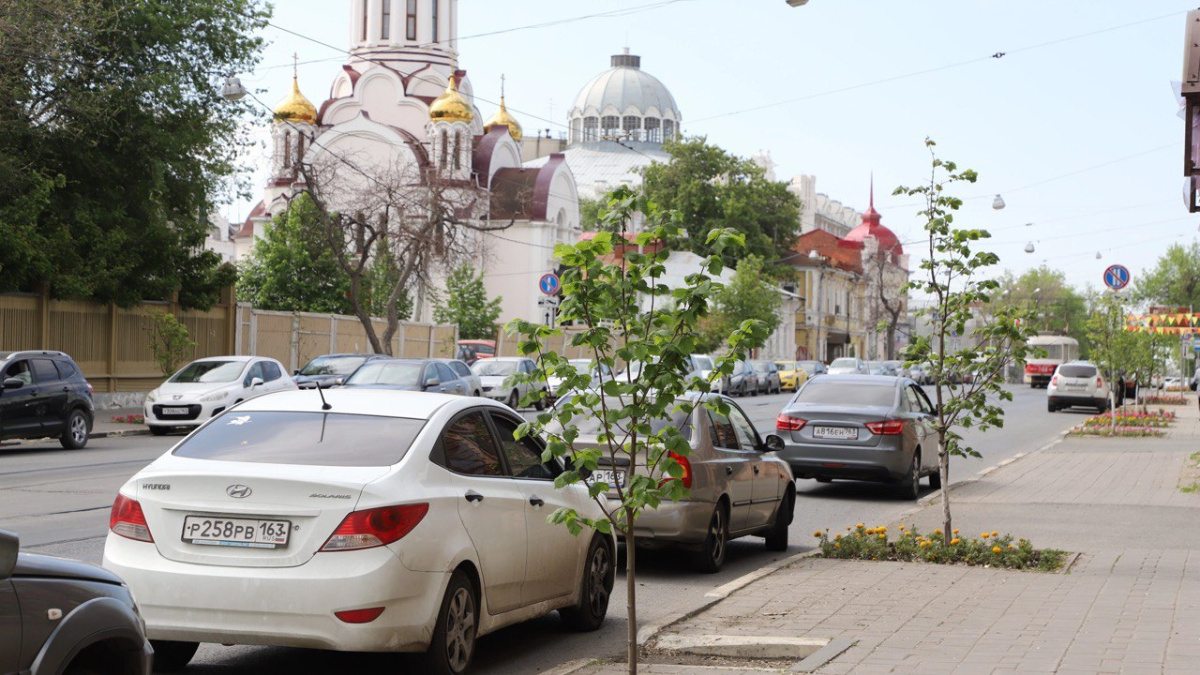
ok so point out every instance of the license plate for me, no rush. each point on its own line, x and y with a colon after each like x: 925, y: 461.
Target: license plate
x: 236, y: 532
x: 174, y: 411
x: 836, y: 433
x: 614, y: 478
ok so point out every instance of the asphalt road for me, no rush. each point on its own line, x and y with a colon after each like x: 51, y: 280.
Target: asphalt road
x: 58, y: 501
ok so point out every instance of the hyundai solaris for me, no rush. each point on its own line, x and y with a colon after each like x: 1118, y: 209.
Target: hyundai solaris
x: 355, y: 520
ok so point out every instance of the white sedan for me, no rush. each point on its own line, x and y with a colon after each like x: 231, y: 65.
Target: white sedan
x: 370, y: 520
x: 206, y: 387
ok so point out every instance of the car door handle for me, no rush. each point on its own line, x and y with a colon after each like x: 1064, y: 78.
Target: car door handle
x: 729, y: 471
x: 474, y: 496
x: 536, y: 501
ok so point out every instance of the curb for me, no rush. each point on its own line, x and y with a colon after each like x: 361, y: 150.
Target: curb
x: 118, y: 434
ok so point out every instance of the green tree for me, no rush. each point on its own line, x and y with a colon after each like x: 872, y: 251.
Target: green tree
x: 1175, y: 279
x: 589, y: 213
x: 749, y: 296
x: 466, y: 304
x: 113, y: 140
x: 170, y: 342
x: 951, y: 278
x: 628, y: 315
x: 712, y: 189
x: 289, y: 270
x: 1114, y: 349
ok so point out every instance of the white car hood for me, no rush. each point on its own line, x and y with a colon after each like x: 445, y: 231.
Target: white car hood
x: 193, y: 389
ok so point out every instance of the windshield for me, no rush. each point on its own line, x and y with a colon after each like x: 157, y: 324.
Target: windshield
x: 476, y: 350
x: 809, y: 367
x: 703, y: 362
x: 591, y: 424
x: 761, y: 366
x: 1077, y: 370
x: 307, y: 438
x: 209, y: 371
x: 856, y: 394
x: 785, y: 365
x: 844, y: 363
x: 333, y: 365
x: 400, y: 374
x: 490, y: 367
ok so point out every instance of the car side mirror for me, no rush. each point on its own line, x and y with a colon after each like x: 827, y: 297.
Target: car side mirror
x: 10, y: 544
x: 13, y: 383
x: 255, y: 382
x: 432, y: 382
x: 773, y: 443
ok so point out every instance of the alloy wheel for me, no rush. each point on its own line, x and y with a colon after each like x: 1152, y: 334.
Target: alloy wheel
x: 460, y: 630
x: 598, y: 571
x: 78, y: 429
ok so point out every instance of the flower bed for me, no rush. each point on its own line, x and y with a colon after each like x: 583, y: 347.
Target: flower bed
x: 1122, y: 432
x: 136, y: 418
x: 989, y: 549
x: 1163, y: 399
x: 1132, y: 418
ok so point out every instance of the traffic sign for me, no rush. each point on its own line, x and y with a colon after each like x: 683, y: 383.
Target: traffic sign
x: 1116, y: 277
x: 549, y: 284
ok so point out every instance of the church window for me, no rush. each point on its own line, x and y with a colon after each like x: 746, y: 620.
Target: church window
x: 668, y: 130
x: 410, y: 24
x: 458, y: 148
x: 287, y: 150
x: 590, y: 127
x: 435, y: 20
x: 364, y: 21
x: 653, y: 129
x: 610, y: 125
x: 385, y: 16
x: 445, y: 143
x: 576, y: 130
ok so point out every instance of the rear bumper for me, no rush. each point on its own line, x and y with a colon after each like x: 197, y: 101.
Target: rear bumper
x: 282, y: 606
x: 881, y: 464
x: 672, y: 522
x: 1070, y: 400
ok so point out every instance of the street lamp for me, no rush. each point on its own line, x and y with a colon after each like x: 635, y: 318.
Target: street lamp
x: 998, y: 203
x: 233, y: 89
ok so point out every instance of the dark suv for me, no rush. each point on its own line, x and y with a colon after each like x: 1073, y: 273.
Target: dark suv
x: 43, y: 394
x: 62, y: 616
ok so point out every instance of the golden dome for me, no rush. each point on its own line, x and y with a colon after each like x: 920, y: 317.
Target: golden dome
x: 503, y: 117
x: 296, y: 108
x: 451, y: 106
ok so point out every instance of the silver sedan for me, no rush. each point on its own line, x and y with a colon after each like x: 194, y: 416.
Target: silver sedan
x: 872, y: 428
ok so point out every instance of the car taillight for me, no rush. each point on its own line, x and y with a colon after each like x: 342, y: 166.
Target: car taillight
x: 359, y: 615
x: 886, y: 427
x: 684, y: 464
x: 375, y: 527
x: 789, y: 423
x: 1054, y: 381
x: 1099, y: 382
x: 128, y: 520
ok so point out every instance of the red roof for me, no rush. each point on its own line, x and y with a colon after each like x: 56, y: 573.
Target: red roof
x: 888, y: 242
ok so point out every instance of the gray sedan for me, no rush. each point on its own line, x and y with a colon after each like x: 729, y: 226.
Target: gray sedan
x: 411, y: 375
x: 873, y: 428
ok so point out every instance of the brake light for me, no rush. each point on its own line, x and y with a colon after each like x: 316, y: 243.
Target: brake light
x: 128, y: 520
x: 789, y: 423
x: 359, y: 615
x: 375, y: 527
x: 1054, y: 381
x: 1099, y: 382
x: 886, y: 427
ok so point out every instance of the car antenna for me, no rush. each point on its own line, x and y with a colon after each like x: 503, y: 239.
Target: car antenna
x: 324, y: 404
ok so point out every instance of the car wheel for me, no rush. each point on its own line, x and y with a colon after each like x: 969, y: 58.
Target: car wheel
x: 514, y: 399
x: 477, y: 393
x: 75, y: 435
x: 159, y: 431
x: 911, y: 484
x: 935, y: 479
x: 1051, y: 408
x: 171, y: 656
x: 453, y: 642
x: 711, y: 556
x: 599, y: 572
x: 777, y: 536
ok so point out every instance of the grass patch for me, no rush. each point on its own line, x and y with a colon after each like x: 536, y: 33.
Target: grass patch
x: 989, y: 549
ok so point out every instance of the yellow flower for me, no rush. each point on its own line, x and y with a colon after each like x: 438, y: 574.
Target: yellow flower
x: 859, y: 526
x: 995, y: 534
x: 847, y: 528
x: 901, y: 528
x: 838, y: 537
x: 817, y: 533
x: 984, y: 535
x: 1011, y: 547
x: 837, y: 545
x: 881, y: 529
x: 937, y: 531
x: 871, y: 531
x: 955, y: 531
x: 883, y: 536
x: 996, y: 549
x: 924, y: 544
x: 954, y: 541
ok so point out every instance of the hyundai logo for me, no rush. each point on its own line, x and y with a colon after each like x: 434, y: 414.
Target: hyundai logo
x: 238, y: 491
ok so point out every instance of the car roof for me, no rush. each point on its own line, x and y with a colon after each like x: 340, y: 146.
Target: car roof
x: 355, y: 401
x: 509, y: 358
x: 238, y: 357
x: 4, y: 356
x: 870, y: 380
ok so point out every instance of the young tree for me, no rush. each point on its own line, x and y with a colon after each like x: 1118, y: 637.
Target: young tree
x: 1175, y: 279
x: 1113, y: 348
x: 169, y: 340
x: 887, y: 302
x: 628, y: 315
x: 466, y: 304
x: 951, y: 279
x: 748, y: 296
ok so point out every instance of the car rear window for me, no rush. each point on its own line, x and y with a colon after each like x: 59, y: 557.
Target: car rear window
x: 1077, y: 371
x: 847, y: 393
x: 306, y: 438
x: 591, y: 424
x: 844, y: 363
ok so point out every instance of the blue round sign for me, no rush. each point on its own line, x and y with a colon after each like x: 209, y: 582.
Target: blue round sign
x: 549, y: 284
x: 1116, y: 277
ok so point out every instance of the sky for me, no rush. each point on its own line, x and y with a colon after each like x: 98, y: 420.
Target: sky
x: 1065, y: 108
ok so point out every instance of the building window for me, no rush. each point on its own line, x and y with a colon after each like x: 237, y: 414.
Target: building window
x: 576, y: 130
x: 668, y: 130
x: 410, y: 23
x: 459, y: 145
x: 385, y: 17
x: 590, y: 127
x: 364, y: 21
x: 435, y: 20
x: 287, y: 150
x: 653, y: 129
x: 632, y: 126
x: 444, y: 149
x: 610, y: 126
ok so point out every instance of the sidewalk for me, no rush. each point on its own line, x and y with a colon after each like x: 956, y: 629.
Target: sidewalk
x: 1130, y: 603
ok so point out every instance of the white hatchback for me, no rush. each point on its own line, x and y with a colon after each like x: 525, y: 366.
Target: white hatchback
x: 205, y: 387
x: 370, y: 520
x: 495, y: 375
x: 1077, y: 383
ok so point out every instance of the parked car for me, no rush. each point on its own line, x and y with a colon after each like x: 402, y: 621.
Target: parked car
x: 330, y: 370
x: 743, y: 380
x: 471, y: 351
x: 704, y: 364
x: 63, y: 616
x: 737, y: 485
x: 791, y: 375
x: 463, y: 370
x: 598, y: 372
x: 370, y: 520
x: 894, y: 368
x: 813, y: 368
x: 768, y: 377
x: 1172, y: 384
x: 871, y: 428
x: 495, y: 374
x: 1077, y: 383
x: 848, y: 365
x: 430, y: 375
x: 205, y: 387
x: 44, y: 394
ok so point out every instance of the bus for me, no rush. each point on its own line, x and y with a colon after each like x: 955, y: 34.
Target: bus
x: 1058, y: 349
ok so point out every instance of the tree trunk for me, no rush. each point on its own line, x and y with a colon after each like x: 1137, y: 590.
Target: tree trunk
x: 944, y: 472
x: 631, y: 592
